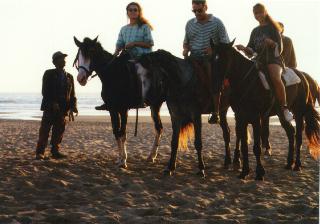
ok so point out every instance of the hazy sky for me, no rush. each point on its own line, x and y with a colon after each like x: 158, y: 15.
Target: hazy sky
x: 31, y: 30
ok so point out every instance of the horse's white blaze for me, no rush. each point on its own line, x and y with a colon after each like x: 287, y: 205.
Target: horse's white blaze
x: 146, y: 83
x: 82, y: 74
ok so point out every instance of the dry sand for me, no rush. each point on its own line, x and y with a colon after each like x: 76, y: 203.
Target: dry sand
x: 88, y: 188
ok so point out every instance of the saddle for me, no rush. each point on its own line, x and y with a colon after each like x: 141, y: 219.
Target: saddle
x: 289, y: 78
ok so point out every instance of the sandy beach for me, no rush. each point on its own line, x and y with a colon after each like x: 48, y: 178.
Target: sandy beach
x: 88, y: 188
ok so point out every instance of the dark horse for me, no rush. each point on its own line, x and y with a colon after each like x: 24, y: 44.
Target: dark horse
x: 315, y: 93
x: 120, y: 90
x: 251, y: 103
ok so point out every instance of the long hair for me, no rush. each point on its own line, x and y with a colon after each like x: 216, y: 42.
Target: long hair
x: 270, y: 20
x: 141, y: 19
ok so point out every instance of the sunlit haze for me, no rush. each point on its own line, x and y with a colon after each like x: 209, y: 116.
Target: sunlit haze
x: 32, y: 30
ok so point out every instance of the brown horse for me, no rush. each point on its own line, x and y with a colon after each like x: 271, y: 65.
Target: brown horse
x: 251, y: 103
x: 315, y: 93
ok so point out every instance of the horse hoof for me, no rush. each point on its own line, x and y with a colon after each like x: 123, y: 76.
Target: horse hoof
x: 259, y: 177
x: 243, y: 176
x: 297, y: 168
x: 288, y: 167
x: 202, y: 174
x: 167, y: 172
x: 150, y: 159
x: 236, y: 166
x: 122, y: 166
x: 268, y: 152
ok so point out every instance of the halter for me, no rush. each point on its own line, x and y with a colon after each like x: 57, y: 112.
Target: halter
x: 88, y: 72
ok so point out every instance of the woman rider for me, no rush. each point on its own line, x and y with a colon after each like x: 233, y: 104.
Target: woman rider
x: 265, y: 39
x: 134, y: 37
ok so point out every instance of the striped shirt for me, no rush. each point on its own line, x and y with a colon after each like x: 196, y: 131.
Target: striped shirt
x: 135, y: 33
x: 198, y: 35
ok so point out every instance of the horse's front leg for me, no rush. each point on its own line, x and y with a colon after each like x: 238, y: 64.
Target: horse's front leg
x: 158, y: 128
x: 123, y: 138
x: 256, y: 125
x: 198, y: 145
x: 174, y: 146
x: 242, y: 134
x: 226, y: 136
x: 115, y: 121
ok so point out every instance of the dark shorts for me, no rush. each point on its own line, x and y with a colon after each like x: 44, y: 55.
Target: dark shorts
x: 269, y: 58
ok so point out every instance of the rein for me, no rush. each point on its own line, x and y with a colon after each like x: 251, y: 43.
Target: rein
x: 88, y: 72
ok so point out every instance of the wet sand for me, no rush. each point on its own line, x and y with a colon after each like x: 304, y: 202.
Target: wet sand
x: 88, y: 188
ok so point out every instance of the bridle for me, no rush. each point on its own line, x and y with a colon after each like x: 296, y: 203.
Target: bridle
x: 88, y: 71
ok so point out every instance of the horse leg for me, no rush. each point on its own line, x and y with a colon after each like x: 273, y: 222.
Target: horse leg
x: 260, y: 172
x: 123, y: 138
x: 290, y: 134
x: 174, y: 147
x: 299, y: 129
x: 158, y: 127
x: 115, y: 121
x: 198, y: 145
x: 265, y: 136
x: 226, y: 136
x: 236, y: 157
x: 241, y: 129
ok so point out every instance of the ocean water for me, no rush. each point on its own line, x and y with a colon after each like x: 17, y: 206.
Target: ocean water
x: 26, y: 106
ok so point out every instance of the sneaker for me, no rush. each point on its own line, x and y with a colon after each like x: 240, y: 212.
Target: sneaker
x: 288, y: 115
x: 102, y: 107
x: 214, y: 119
x: 58, y: 155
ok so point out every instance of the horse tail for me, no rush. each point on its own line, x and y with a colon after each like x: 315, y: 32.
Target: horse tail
x: 318, y: 94
x: 312, y: 120
x: 186, y: 134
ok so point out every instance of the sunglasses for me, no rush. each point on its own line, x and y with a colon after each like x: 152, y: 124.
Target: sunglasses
x: 197, y: 11
x: 133, y: 10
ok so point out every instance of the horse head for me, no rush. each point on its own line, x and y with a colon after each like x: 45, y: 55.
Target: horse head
x: 84, y: 61
x: 223, y: 57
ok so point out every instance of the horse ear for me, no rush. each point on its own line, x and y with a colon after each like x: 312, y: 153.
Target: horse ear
x: 232, y: 42
x: 77, y: 42
x: 95, y: 39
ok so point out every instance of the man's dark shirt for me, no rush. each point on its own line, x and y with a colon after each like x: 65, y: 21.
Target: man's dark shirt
x: 58, y: 88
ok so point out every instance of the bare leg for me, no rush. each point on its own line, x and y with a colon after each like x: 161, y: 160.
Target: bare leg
x: 275, y: 75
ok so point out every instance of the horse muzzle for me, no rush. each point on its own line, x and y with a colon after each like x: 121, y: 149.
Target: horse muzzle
x: 82, y: 77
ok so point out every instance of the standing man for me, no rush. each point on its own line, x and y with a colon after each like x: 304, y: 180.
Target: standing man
x: 288, y: 53
x: 58, y: 102
x: 199, y: 31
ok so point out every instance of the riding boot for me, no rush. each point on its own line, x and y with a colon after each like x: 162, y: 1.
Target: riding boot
x: 102, y: 107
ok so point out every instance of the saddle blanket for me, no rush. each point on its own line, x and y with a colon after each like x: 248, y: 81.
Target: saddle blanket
x: 289, y: 77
